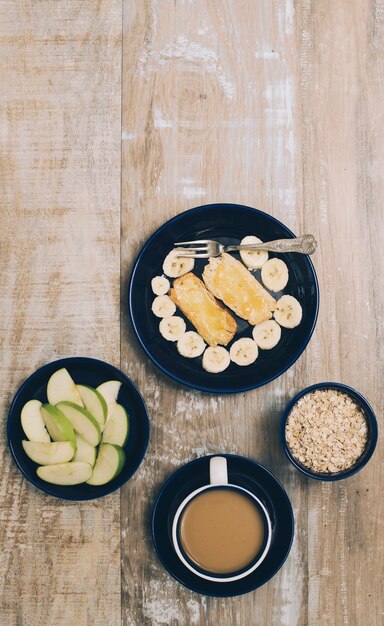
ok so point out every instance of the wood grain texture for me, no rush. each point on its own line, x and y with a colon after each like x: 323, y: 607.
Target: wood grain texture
x: 275, y: 105
x: 59, y: 296
x: 342, y: 53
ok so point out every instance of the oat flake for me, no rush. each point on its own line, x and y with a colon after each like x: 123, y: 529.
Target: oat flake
x: 326, y: 431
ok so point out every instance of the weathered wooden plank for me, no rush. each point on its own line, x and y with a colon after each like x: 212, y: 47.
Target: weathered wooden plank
x: 210, y: 112
x: 341, y: 52
x: 60, y: 174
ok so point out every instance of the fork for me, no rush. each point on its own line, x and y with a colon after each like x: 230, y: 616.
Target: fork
x: 306, y: 244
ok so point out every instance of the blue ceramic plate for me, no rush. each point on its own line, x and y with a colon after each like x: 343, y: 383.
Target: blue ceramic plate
x: 86, y: 372
x: 371, y: 423
x: 241, y: 471
x: 228, y: 223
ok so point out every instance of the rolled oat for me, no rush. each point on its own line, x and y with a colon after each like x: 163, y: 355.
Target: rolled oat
x: 326, y: 431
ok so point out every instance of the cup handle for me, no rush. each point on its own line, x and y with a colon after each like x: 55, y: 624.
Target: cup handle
x: 218, y: 472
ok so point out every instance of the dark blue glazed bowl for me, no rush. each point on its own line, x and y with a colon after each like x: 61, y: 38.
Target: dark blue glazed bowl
x: 87, y: 372
x: 372, y: 432
x: 227, y: 223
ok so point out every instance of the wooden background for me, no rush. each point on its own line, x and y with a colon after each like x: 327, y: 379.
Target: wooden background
x: 115, y: 116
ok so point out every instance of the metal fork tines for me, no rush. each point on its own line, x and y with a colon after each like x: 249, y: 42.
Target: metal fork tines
x: 205, y: 248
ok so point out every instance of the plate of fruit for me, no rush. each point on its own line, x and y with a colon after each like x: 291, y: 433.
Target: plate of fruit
x: 78, y: 428
x: 224, y: 324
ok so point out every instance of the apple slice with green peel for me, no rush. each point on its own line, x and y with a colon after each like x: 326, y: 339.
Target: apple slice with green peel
x: 62, y: 387
x: 44, y: 453
x: 85, y: 452
x: 58, y: 426
x: 32, y: 421
x: 109, y: 390
x: 94, y: 403
x: 109, y: 463
x: 82, y: 421
x: 72, y: 473
x: 117, y: 426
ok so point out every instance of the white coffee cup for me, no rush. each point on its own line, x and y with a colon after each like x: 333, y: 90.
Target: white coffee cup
x: 218, y: 475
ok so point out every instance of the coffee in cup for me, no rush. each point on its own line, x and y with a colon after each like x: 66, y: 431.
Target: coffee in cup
x: 221, y: 532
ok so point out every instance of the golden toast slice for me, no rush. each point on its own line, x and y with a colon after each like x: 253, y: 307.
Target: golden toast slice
x: 214, y: 323
x: 230, y: 281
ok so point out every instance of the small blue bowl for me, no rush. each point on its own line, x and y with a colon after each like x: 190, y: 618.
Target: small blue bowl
x: 372, y: 432
x: 91, y: 372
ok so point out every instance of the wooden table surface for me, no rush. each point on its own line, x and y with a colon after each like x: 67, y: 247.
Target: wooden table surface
x: 116, y: 116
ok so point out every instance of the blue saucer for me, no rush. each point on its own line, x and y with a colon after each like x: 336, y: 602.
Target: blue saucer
x: 241, y: 471
x: 91, y: 372
x: 228, y: 223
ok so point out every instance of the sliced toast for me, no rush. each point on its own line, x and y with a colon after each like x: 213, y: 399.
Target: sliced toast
x: 211, y: 320
x: 230, y: 281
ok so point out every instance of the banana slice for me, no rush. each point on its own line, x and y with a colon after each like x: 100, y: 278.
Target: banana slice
x: 191, y: 345
x: 172, y: 328
x: 160, y: 285
x: 274, y: 274
x: 244, y: 351
x: 216, y: 360
x: 175, y: 266
x: 288, y: 312
x: 163, y: 306
x: 253, y: 259
x: 267, y: 334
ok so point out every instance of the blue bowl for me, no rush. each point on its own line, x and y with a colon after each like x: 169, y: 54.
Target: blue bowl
x: 87, y: 372
x: 372, y: 432
x: 228, y: 223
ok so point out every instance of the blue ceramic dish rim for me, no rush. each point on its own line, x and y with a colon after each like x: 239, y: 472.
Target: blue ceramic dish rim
x: 369, y: 412
x: 201, y: 209
x: 193, y: 462
x: 49, y: 490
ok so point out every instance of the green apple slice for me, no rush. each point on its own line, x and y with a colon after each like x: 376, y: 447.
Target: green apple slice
x: 44, y: 453
x: 94, y: 403
x: 58, y: 426
x: 109, y: 390
x: 62, y: 387
x: 82, y: 421
x: 72, y: 473
x: 117, y: 426
x: 32, y: 421
x: 84, y: 452
x: 109, y: 463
